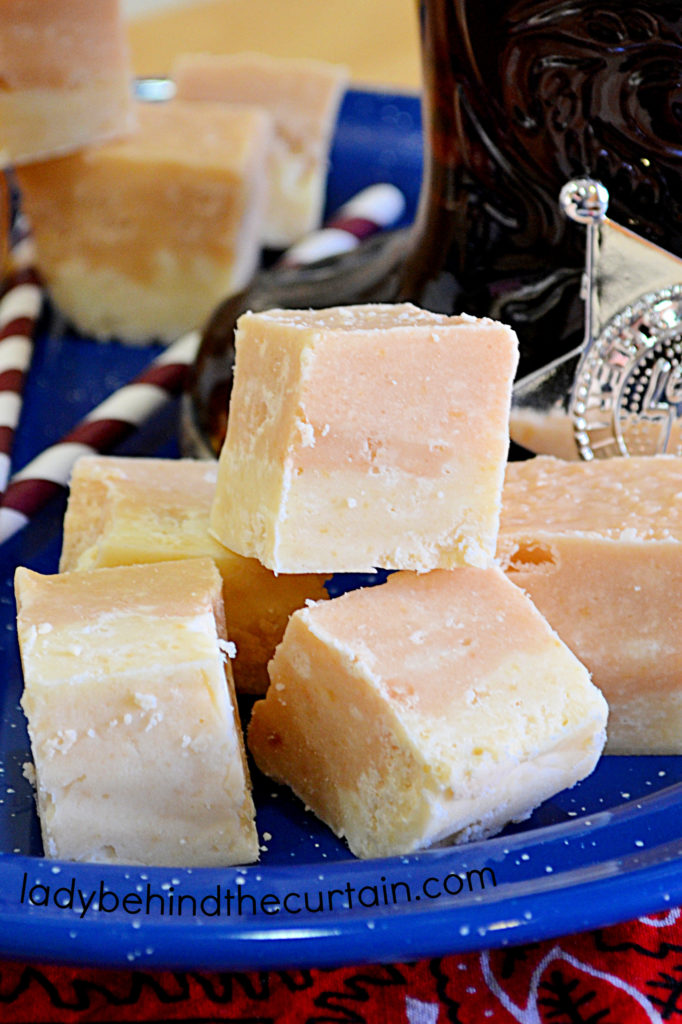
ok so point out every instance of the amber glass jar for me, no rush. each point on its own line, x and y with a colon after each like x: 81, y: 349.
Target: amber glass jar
x: 519, y: 96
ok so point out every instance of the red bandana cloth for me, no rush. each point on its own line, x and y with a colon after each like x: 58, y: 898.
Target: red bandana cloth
x: 625, y: 974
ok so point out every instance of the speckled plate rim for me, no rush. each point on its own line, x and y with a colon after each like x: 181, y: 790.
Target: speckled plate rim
x: 541, y: 891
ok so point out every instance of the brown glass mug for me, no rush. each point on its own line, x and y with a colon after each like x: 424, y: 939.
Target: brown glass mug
x: 519, y: 97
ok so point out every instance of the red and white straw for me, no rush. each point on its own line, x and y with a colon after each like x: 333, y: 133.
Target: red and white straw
x: 114, y: 419
x: 20, y: 307
x: 374, y: 209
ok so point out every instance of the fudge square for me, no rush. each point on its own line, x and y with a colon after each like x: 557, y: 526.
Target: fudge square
x: 598, y: 548
x: 365, y: 436
x: 140, y: 238
x: 66, y: 77
x: 123, y: 511
x: 137, y: 746
x: 435, y: 706
x: 303, y: 97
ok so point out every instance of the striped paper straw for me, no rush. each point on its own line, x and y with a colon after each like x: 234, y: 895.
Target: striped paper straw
x: 20, y: 304
x: 114, y: 419
x: 19, y: 311
x: 374, y: 209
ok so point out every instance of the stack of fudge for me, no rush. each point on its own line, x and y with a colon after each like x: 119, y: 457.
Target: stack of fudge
x: 438, y: 705
x: 146, y: 215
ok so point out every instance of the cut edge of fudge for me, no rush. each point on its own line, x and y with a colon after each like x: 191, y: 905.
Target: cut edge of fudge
x: 397, y: 758
x: 67, y: 78
x: 303, y: 95
x: 122, y: 510
x: 348, y: 425
x: 132, y: 765
x: 141, y: 237
x: 598, y: 548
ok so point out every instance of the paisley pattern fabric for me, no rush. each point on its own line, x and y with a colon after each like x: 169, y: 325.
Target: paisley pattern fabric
x: 625, y: 974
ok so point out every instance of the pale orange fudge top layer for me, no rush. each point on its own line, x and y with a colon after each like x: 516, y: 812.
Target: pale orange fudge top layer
x: 638, y: 498
x: 301, y: 94
x: 83, y: 598
x: 44, y: 44
x: 445, y: 658
x: 354, y: 375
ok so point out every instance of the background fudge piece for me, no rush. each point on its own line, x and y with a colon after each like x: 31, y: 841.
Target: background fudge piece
x: 134, y: 729
x: 598, y: 547
x: 434, y: 706
x: 303, y: 97
x: 365, y: 436
x: 141, y: 238
x: 123, y: 511
x: 66, y: 77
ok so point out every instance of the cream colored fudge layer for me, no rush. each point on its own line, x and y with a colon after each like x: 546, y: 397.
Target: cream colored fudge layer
x: 435, y: 706
x: 141, y: 238
x: 66, y: 77
x: 303, y: 97
x: 123, y: 511
x: 134, y: 728
x: 598, y: 547
x: 365, y: 436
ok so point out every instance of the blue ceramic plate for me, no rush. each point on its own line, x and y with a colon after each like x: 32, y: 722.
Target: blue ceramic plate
x: 608, y: 850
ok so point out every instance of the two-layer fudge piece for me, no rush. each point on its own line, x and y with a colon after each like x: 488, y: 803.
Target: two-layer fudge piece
x: 123, y: 511
x: 134, y: 729
x: 303, y: 97
x: 141, y: 238
x: 435, y: 706
x: 66, y: 77
x: 598, y: 547
x: 365, y: 436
